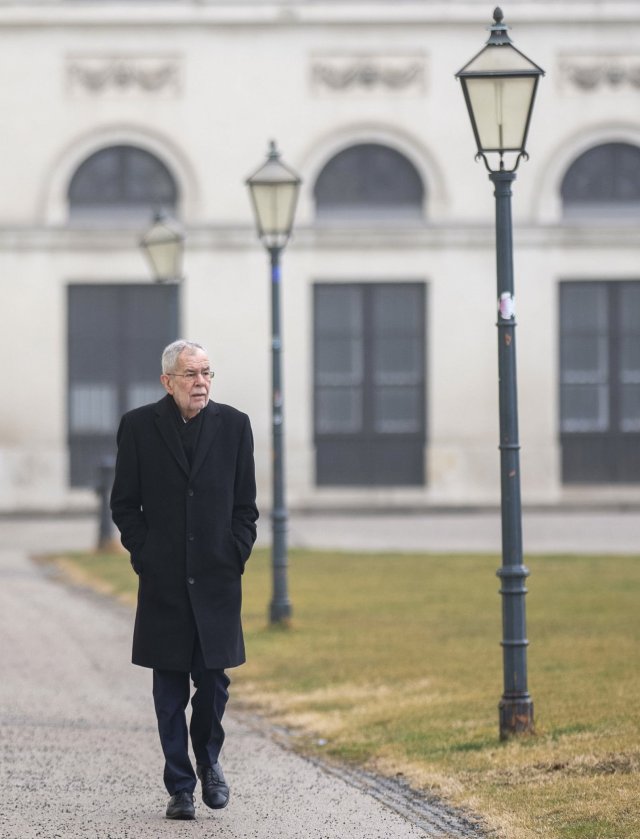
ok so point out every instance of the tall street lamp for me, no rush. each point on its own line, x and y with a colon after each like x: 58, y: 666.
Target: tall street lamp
x: 163, y: 246
x: 274, y: 193
x: 499, y: 86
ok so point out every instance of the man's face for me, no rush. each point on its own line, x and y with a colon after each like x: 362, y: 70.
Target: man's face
x: 189, y: 383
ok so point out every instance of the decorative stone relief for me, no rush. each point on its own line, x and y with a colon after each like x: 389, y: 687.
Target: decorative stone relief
x: 601, y: 72
x: 124, y: 76
x: 369, y: 75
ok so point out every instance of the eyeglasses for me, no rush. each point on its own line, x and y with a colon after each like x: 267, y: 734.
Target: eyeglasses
x: 192, y: 375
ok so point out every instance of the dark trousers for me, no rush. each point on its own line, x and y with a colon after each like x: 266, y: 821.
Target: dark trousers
x: 171, y: 691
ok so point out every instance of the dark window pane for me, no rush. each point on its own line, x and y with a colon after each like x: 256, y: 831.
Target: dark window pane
x: 629, y: 307
x: 630, y: 408
x: 368, y: 181
x: 397, y: 410
x: 584, y: 408
x: 630, y: 359
x: 339, y: 361
x: 397, y: 309
x: 584, y: 307
x: 584, y: 359
x: 121, y: 184
x: 147, y: 179
x: 397, y: 360
x: 603, y: 181
x: 92, y: 407
x: 338, y: 410
x: 338, y: 310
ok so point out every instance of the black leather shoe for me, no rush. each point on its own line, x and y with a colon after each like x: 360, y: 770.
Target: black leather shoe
x: 181, y: 806
x: 215, y: 792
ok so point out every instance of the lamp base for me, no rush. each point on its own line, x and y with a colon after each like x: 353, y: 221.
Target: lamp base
x: 516, y: 717
x: 280, y: 614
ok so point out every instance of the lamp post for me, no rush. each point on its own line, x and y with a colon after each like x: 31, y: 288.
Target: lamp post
x: 499, y: 86
x: 163, y: 246
x: 274, y: 193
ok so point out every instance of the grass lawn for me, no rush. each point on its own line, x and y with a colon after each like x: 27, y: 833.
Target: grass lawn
x: 393, y: 662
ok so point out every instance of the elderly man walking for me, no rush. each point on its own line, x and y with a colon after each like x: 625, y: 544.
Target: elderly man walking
x: 184, y: 500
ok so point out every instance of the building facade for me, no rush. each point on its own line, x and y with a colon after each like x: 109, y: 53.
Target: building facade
x: 115, y: 109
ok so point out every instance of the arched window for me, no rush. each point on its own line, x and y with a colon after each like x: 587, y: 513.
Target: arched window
x: 368, y: 182
x: 603, y: 182
x: 120, y: 185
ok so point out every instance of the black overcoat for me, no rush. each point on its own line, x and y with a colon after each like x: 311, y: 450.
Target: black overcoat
x: 189, y: 531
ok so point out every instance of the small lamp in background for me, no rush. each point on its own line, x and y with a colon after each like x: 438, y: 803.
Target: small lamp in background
x: 163, y: 246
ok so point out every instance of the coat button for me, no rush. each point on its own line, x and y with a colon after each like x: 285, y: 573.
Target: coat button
x: 190, y: 580
x: 191, y: 537
x: 190, y: 492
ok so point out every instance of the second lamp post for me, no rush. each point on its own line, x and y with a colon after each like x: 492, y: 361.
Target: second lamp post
x: 499, y: 87
x: 274, y: 193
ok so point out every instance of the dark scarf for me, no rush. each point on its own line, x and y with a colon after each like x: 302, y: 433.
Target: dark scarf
x: 188, y: 432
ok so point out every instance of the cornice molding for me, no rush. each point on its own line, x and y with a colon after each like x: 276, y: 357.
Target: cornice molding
x: 283, y: 13
x: 601, y: 72
x: 368, y: 74
x: 123, y: 75
x: 242, y: 237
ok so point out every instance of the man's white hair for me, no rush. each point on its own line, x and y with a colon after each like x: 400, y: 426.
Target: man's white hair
x: 171, y: 353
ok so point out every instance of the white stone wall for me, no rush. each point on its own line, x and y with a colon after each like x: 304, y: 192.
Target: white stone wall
x: 205, y: 85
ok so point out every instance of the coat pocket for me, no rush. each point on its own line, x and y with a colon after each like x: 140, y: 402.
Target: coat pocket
x: 235, y: 550
x: 137, y: 557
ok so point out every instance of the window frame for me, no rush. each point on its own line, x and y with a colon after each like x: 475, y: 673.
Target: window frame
x: 369, y: 450
x: 610, y: 454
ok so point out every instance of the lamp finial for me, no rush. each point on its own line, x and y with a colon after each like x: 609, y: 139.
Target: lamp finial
x: 274, y: 154
x: 499, y: 34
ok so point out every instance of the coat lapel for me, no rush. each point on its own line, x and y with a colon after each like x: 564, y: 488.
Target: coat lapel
x: 210, y: 426
x: 166, y: 423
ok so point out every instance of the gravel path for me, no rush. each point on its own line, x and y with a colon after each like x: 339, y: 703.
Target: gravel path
x: 79, y: 757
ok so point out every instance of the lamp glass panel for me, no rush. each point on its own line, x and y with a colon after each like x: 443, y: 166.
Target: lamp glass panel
x: 164, y: 256
x: 501, y: 59
x: 274, y: 206
x: 501, y: 110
